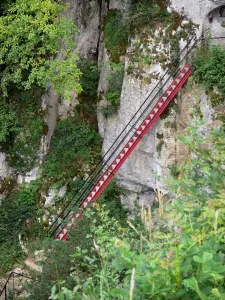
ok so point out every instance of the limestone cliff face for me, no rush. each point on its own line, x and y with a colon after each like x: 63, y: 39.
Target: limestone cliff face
x: 160, y: 150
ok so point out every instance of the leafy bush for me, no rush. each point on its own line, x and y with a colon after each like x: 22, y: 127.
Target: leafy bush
x: 24, y: 150
x: 209, y: 67
x: 32, y: 32
x: 60, y: 261
x: 114, y: 90
x: 90, y: 76
x: 15, y: 210
x: 74, y: 150
x: 116, y: 34
x: 8, y: 123
x: 89, y: 81
x: 10, y: 254
x: 18, y: 215
x: 118, y: 25
x: 110, y: 198
x: 176, y: 252
x: 24, y: 140
x: 109, y: 110
x: 145, y: 12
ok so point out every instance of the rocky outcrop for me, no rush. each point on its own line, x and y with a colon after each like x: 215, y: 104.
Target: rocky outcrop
x: 5, y: 170
x: 160, y: 150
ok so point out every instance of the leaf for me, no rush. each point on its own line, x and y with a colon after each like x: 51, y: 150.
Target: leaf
x: 186, y: 139
x: 216, y: 293
x: 115, y: 292
x: 197, y: 259
x: 193, y: 285
x: 206, y: 257
x: 53, y: 290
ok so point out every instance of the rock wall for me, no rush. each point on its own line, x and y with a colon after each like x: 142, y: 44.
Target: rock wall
x: 159, y: 151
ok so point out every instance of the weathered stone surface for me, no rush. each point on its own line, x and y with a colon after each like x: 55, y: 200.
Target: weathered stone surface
x: 205, y: 13
x: 5, y: 170
x: 160, y: 149
x: 16, y: 283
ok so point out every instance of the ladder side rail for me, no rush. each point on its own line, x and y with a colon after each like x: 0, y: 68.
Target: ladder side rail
x: 193, y: 46
x: 107, y: 177
x: 129, y: 123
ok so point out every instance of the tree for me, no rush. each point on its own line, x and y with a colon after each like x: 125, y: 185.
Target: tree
x: 37, y: 47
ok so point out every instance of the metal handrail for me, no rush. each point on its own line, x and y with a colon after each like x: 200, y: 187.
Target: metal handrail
x: 97, y: 171
x: 78, y: 199
x: 12, y: 274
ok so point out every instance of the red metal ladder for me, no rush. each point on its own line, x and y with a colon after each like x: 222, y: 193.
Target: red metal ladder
x: 129, y: 147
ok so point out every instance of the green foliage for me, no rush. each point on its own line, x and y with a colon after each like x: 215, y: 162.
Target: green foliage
x: 90, y: 76
x: 15, y: 210
x: 74, y: 150
x: 8, y: 123
x: 25, y: 130
x: 206, y: 170
x: 57, y: 266
x: 159, y: 147
x: 89, y: 82
x: 18, y: 216
x: 22, y: 153
x: 10, y: 254
x: 176, y: 252
x: 116, y: 34
x: 4, y: 6
x: 175, y: 51
x: 118, y: 25
x: 114, y: 90
x: 27, y: 196
x: 31, y: 33
x: 145, y: 12
x: 61, y: 260
x: 174, y: 170
x: 209, y: 67
x: 110, y: 198
x: 109, y: 110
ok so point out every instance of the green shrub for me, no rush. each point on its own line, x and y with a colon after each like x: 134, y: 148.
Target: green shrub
x: 10, y: 254
x: 61, y: 259
x: 209, y: 67
x: 159, y: 147
x: 145, y: 12
x: 109, y: 110
x: 34, y: 29
x: 8, y: 123
x: 114, y: 90
x: 75, y: 149
x: 110, y: 199
x: 174, y: 170
x: 18, y: 215
x: 23, y: 152
x: 22, y: 117
x: 113, y: 97
x: 90, y: 76
x: 88, y: 97
x: 15, y: 210
x: 116, y: 34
